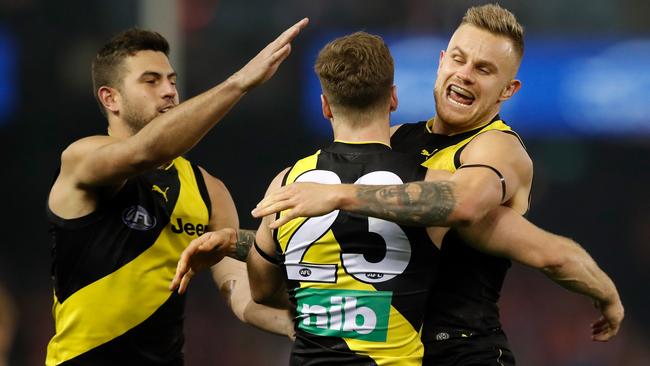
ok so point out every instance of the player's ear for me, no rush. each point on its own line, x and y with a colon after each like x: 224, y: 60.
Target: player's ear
x: 442, y: 55
x: 108, y: 97
x: 325, y: 106
x: 393, y: 99
x: 510, y: 90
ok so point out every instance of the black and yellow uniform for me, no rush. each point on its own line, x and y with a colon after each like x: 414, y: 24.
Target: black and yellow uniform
x: 462, y: 324
x: 359, y: 284
x: 112, y: 269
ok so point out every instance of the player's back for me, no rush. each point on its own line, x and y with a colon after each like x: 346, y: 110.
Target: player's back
x: 359, y: 284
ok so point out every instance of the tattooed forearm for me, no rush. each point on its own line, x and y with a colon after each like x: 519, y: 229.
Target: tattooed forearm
x: 245, y: 240
x: 417, y: 204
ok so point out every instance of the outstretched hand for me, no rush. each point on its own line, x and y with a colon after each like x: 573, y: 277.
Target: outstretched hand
x: 609, y: 323
x: 202, y: 252
x: 264, y: 64
x: 301, y: 199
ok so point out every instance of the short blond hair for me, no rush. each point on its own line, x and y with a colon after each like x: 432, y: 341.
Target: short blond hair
x: 497, y: 20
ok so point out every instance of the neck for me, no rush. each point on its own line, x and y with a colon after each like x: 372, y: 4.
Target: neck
x: 117, y: 128
x: 375, y: 130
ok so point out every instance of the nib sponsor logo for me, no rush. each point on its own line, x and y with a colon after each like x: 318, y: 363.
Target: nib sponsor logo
x: 345, y: 313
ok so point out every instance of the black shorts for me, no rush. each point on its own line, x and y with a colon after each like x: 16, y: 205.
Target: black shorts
x: 476, y: 350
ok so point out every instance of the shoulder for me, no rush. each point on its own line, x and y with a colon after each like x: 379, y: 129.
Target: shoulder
x: 82, y: 147
x: 223, y: 212
x: 211, y: 182
x: 498, y: 141
x: 74, y: 156
x: 217, y: 190
x: 497, y: 147
x: 276, y: 183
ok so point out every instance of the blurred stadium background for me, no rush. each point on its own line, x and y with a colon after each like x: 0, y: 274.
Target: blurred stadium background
x: 583, y: 111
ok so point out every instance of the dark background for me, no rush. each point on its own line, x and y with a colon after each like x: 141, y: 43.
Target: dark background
x: 594, y: 189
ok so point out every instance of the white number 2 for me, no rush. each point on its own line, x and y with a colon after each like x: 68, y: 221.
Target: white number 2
x: 398, y: 247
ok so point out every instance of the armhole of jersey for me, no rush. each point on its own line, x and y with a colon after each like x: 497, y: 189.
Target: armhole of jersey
x: 70, y: 224
x: 203, y: 188
x: 54, y: 218
x: 460, y: 150
x: 517, y: 136
x: 457, y: 155
x: 511, y: 132
x: 530, y: 193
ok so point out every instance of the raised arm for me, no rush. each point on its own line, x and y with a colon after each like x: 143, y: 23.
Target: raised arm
x: 101, y: 161
x: 504, y: 232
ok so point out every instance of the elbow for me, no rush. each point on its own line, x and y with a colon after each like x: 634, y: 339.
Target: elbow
x: 554, y: 261
x: 260, y: 296
x: 466, y: 212
x: 275, y: 298
x: 553, y: 269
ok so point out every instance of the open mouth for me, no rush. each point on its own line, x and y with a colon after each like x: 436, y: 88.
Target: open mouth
x: 459, y: 95
x: 165, y: 109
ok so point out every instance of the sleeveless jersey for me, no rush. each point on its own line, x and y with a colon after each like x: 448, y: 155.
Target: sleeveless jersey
x: 112, y: 268
x: 465, y: 295
x: 359, y: 284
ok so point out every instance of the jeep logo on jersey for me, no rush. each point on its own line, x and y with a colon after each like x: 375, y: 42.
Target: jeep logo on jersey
x: 344, y: 313
x: 137, y: 218
x: 188, y: 228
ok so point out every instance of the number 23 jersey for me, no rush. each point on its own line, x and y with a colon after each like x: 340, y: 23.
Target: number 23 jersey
x: 359, y: 285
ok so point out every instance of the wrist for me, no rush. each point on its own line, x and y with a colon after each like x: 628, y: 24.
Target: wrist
x: 237, y: 82
x: 345, y: 196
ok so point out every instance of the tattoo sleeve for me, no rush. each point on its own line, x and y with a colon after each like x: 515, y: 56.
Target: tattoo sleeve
x: 415, y: 204
x: 245, y: 240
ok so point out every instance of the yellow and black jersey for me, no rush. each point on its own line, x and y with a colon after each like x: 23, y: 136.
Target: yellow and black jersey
x: 359, y: 284
x: 112, y: 268
x: 464, y: 297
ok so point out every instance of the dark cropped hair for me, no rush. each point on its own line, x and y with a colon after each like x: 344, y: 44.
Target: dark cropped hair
x: 355, y: 71
x: 107, y: 67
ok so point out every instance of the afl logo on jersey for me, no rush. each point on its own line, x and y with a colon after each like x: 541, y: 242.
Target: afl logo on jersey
x: 137, y: 218
x: 374, y: 275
